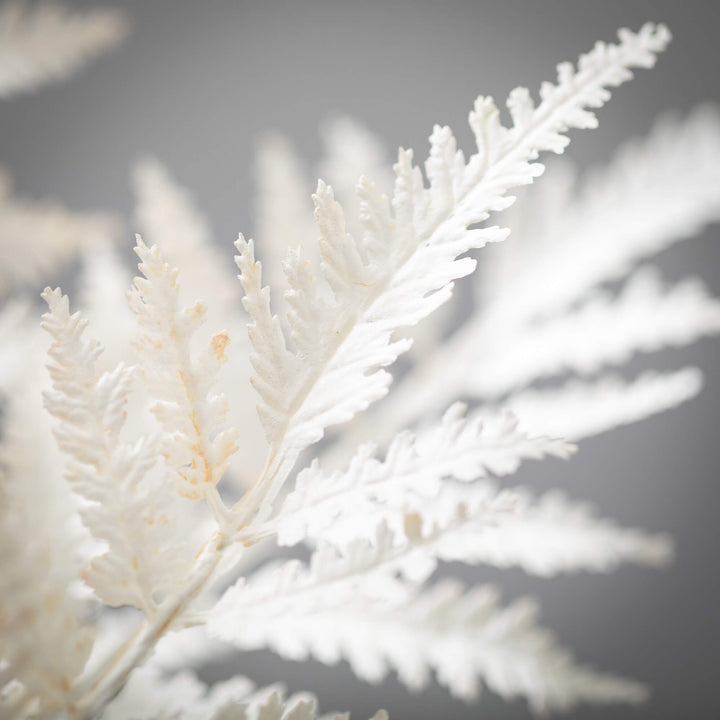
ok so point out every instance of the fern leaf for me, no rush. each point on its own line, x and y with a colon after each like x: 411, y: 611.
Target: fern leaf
x: 274, y: 364
x: 272, y: 707
x: 269, y: 705
x: 645, y: 317
x: 45, y: 42
x: 168, y: 218
x: 462, y: 635
x: 151, y: 696
x: 552, y: 534
x: 124, y: 510
x: 373, y: 296
x: 196, y: 444
x: 584, y: 408
x: 45, y: 645
x: 654, y: 193
x: 481, y: 525
x: 381, y: 527
x: 460, y: 447
x: 45, y: 640
x: 581, y: 409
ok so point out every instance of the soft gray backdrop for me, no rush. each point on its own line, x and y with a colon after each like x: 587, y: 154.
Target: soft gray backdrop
x: 197, y: 83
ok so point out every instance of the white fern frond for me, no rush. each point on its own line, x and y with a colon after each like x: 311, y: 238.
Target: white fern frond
x: 584, y: 408
x: 460, y: 447
x: 421, y: 530
x: 473, y: 524
x: 654, y: 193
x: 403, y: 266
x: 275, y: 365
x: 133, y: 516
x: 197, y: 444
x: 45, y: 644
x: 378, y: 529
x: 44, y: 42
x: 363, y: 569
x: 645, y: 317
x: 268, y: 704
x: 45, y: 639
x: 168, y: 218
x: 350, y: 152
x: 153, y: 696
x: 482, y: 363
x: 462, y: 635
x: 553, y: 534
x: 38, y: 237
x: 480, y: 524
x: 29, y: 455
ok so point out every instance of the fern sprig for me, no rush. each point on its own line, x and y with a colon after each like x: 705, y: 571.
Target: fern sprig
x: 654, y: 193
x: 196, y: 444
x: 460, y: 447
x: 461, y: 634
x: 125, y: 508
x: 373, y: 295
x: 344, y: 319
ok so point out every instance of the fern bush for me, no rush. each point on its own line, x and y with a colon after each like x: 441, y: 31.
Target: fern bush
x: 185, y: 435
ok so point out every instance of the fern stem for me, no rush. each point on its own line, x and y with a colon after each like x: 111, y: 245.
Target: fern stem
x: 112, y: 676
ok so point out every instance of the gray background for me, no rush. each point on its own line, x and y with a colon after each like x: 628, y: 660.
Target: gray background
x: 198, y: 82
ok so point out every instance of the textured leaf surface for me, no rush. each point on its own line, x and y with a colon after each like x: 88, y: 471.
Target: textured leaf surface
x: 645, y: 317
x: 565, y: 243
x: 585, y: 408
x: 403, y: 265
x: 352, y: 503
x: 44, y: 641
x: 460, y: 634
x: 654, y: 193
x: 196, y: 443
x: 127, y: 509
x: 151, y: 696
x: 380, y: 528
x: 552, y: 534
